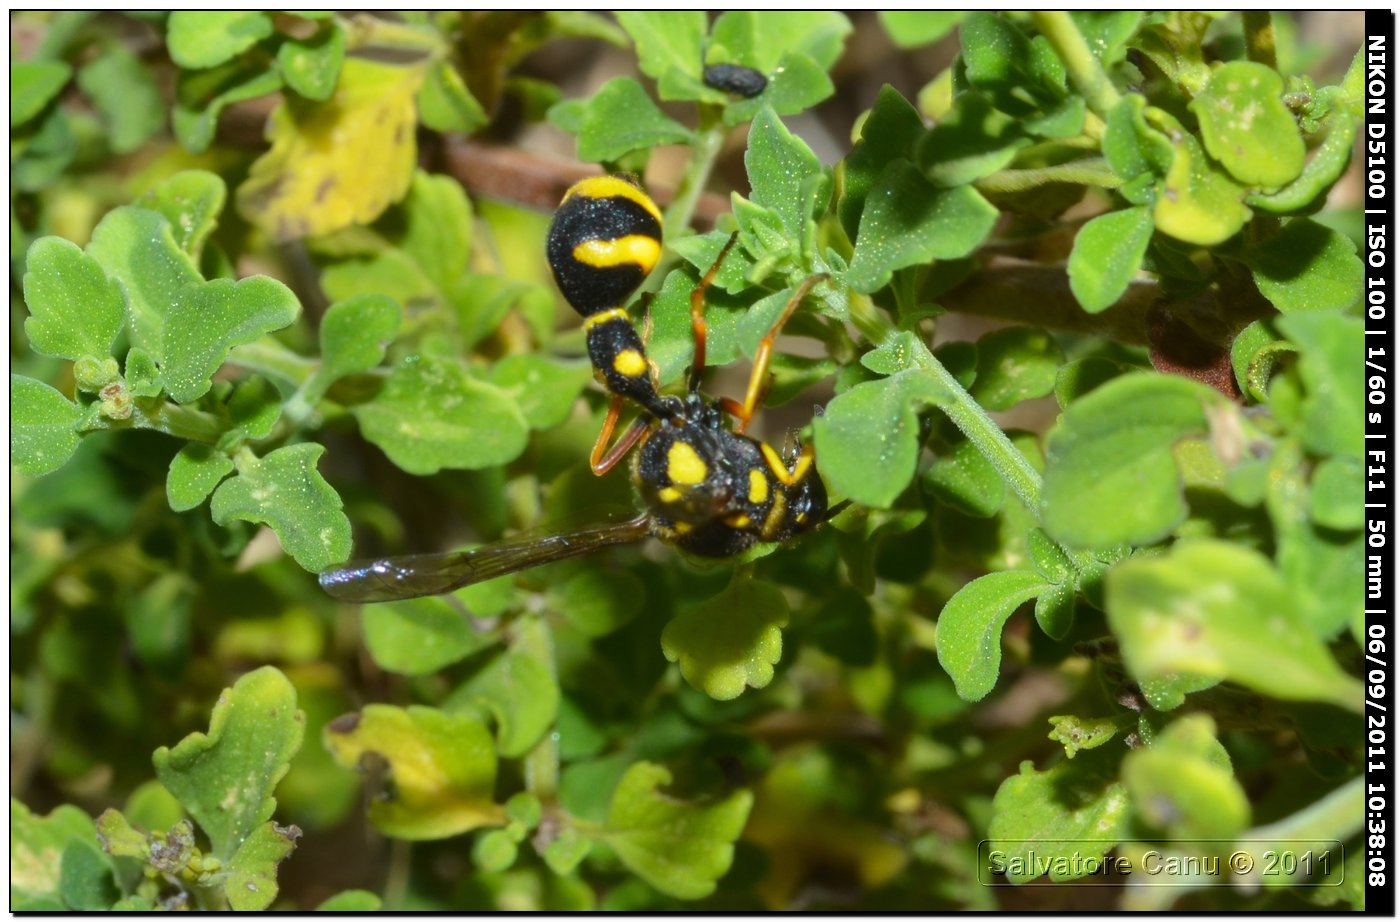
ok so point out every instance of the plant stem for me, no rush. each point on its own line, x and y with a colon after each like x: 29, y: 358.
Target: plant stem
x: 271, y: 358
x: 1093, y: 171
x: 182, y: 422
x: 965, y: 412
x: 542, y: 761
x: 983, y: 432
x: 709, y: 138
x: 1084, y: 70
x: 1259, y: 38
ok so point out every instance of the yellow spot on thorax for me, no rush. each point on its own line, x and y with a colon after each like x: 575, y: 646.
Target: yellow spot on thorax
x: 684, y: 466
x: 632, y: 250
x: 758, y: 487
x: 668, y: 495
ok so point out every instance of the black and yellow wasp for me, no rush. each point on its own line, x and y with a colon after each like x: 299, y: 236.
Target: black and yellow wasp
x: 711, y: 490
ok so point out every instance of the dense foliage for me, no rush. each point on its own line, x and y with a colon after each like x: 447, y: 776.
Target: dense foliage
x: 1128, y: 612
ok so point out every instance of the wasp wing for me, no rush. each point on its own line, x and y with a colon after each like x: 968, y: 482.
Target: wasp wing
x: 394, y: 578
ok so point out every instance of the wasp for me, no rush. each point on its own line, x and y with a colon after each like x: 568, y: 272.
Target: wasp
x: 707, y: 488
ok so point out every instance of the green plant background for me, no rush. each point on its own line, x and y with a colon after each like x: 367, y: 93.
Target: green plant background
x: 1085, y: 361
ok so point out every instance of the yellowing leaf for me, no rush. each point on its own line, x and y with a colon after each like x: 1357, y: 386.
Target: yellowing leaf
x: 442, y: 768
x: 340, y: 162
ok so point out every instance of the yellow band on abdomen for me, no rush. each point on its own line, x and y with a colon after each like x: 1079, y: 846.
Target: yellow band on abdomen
x: 632, y: 250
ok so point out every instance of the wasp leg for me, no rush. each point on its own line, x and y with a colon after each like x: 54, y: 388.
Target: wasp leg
x: 603, y: 459
x: 698, y: 327
x: 788, y: 474
x: 758, y: 378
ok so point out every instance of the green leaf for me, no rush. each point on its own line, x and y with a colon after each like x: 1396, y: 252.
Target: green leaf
x: 75, y: 310
x: 251, y: 884
x: 1015, y: 364
x: 33, y: 85
x: 1107, y: 32
x: 310, y: 66
x: 1078, y: 734
x: 969, y: 628
x: 908, y: 222
x: 963, y: 478
x: 445, y: 104
x: 792, y: 49
x: 1021, y: 76
x: 1334, y: 378
x: 1318, y: 563
x: 1110, y: 476
x: 158, y: 621
x: 201, y: 96
x: 544, y: 389
x: 1076, y: 379
x: 761, y: 39
x: 868, y: 438
x: 679, y: 848
x: 1254, y: 355
x: 666, y: 40
x: 1041, y: 820
x: 419, y: 636
x: 910, y: 29
x: 1307, y: 267
x: 621, y: 118
x: 442, y: 766
x: 565, y: 853
x: 495, y: 851
x: 206, y: 321
x: 191, y: 201
x: 355, y: 334
x: 1246, y: 126
x: 118, y: 837
x: 125, y: 94
x: 779, y: 165
x: 352, y: 901
x: 969, y: 142
x: 37, y: 845
x: 85, y: 878
x: 520, y: 692
x: 1197, y: 204
x: 598, y: 602
x: 203, y: 38
x: 1337, y: 498
x: 797, y: 83
x: 888, y: 133
x: 1184, y: 783
x: 1107, y: 254
x: 225, y: 778
x: 1130, y: 145
x: 284, y: 491
x: 137, y: 249
x: 438, y: 230
x: 1331, y: 158
x: 731, y: 640
x: 43, y: 426
x: 1215, y: 609
x: 194, y: 473
x: 525, y: 809
x: 844, y: 627
x: 1054, y: 611
x: 43, y: 152
x: 431, y: 415
x: 253, y: 410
